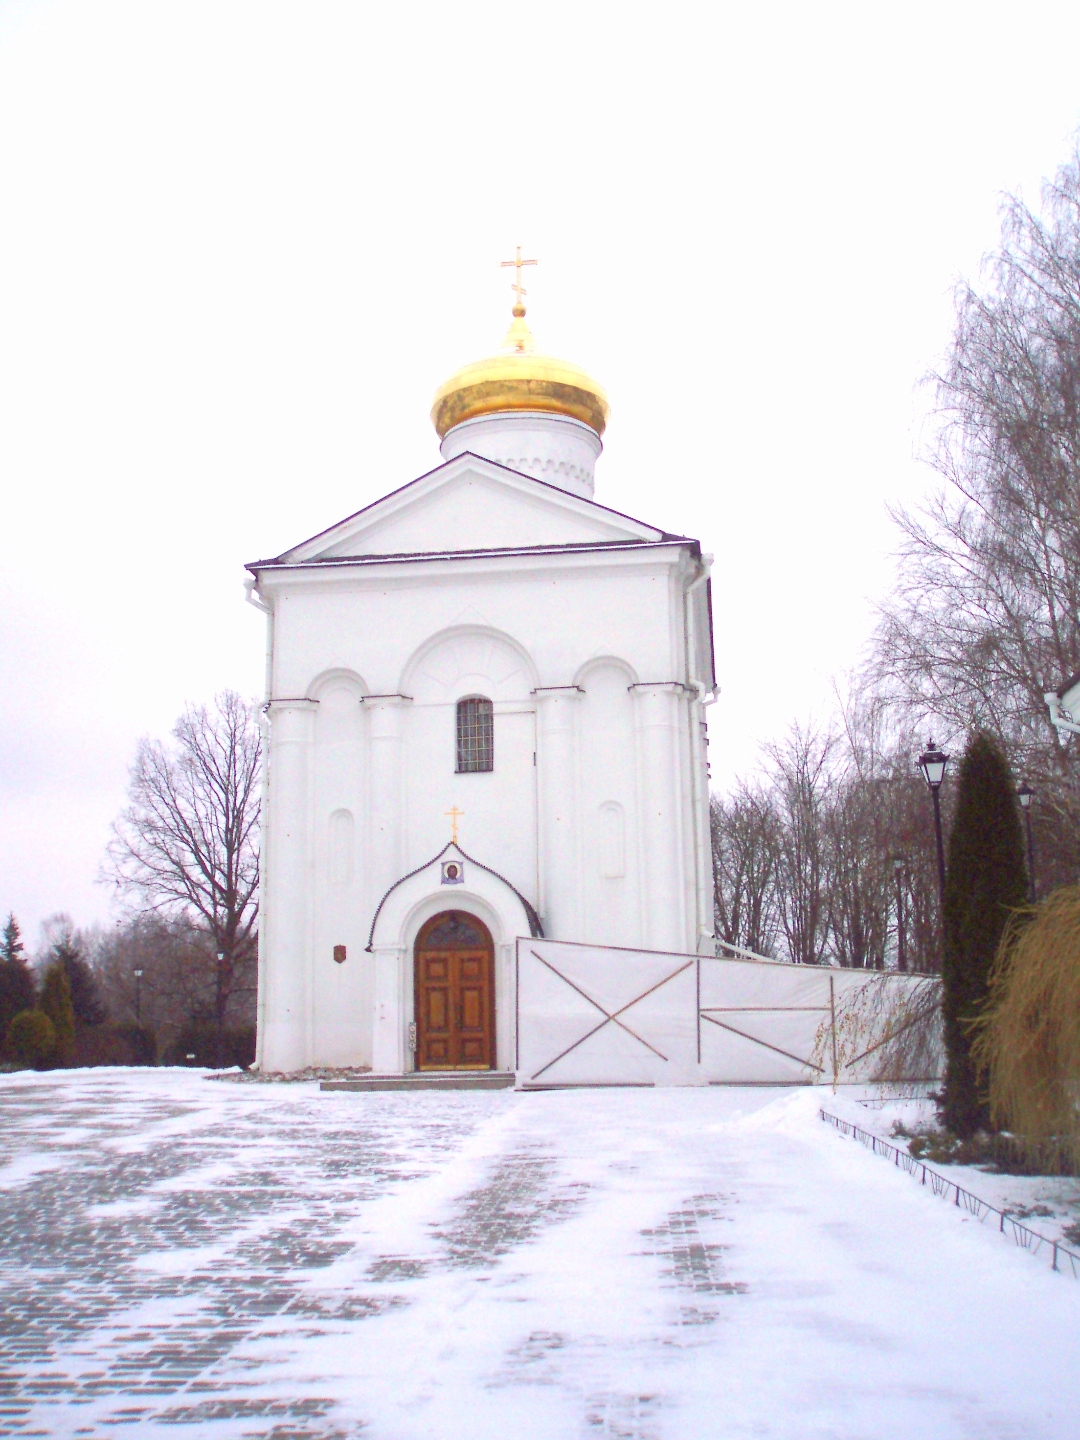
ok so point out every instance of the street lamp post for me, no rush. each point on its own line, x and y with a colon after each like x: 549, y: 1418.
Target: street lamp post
x: 933, y: 763
x: 901, y: 949
x: 220, y: 960
x: 1024, y: 795
x: 138, y: 997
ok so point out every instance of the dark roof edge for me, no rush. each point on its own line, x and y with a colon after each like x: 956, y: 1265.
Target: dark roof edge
x: 577, y: 547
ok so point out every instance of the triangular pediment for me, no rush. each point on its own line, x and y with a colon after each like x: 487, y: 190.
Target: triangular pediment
x: 471, y: 504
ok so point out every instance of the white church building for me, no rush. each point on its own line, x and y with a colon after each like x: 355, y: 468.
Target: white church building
x: 486, y: 715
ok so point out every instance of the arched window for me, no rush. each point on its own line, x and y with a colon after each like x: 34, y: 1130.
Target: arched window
x: 475, y: 735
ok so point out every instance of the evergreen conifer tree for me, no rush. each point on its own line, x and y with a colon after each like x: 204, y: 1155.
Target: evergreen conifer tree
x: 16, y: 981
x: 985, y: 882
x: 11, y: 945
x: 82, y: 982
x: 56, y: 1004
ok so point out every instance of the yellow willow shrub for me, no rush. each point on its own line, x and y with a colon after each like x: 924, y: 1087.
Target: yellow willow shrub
x: 1027, y: 1044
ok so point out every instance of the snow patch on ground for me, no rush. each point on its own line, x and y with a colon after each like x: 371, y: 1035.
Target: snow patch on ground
x: 272, y: 1263
x: 1047, y: 1204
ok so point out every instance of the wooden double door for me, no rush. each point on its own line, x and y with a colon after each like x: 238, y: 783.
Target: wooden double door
x: 455, y: 994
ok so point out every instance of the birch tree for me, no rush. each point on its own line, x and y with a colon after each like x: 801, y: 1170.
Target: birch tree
x: 985, y: 616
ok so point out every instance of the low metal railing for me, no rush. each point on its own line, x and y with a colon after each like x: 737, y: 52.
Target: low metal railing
x: 1022, y: 1235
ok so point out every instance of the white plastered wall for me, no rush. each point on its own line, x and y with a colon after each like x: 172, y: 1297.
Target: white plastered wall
x: 598, y: 748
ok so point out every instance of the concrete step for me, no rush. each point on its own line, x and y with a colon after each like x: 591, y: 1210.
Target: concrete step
x: 428, y: 1080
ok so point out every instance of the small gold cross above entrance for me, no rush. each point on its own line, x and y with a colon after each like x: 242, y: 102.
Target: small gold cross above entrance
x: 454, y: 815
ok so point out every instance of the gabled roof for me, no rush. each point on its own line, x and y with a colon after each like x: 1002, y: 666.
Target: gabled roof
x: 471, y: 506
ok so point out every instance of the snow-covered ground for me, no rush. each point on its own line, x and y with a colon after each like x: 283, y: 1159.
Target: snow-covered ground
x: 187, y: 1256
x: 1047, y: 1204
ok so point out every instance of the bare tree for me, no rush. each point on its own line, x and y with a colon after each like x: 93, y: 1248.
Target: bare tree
x: 984, y: 618
x: 858, y: 876
x: 800, y: 776
x: 805, y: 854
x: 186, y: 847
x: 857, y: 823
x: 880, y: 814
x: 745, y: 860
x: 176, y: 984
x: 986, y: 613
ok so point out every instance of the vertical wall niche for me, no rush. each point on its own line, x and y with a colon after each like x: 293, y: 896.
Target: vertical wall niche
x: 340, y: 847
x: 608, y: 766
x: 612, y: 839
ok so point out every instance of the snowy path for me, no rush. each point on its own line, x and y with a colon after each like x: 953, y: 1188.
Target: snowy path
x: 188, y: 1257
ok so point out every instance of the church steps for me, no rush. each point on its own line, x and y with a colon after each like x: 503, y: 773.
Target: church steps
x: 429, y: 1080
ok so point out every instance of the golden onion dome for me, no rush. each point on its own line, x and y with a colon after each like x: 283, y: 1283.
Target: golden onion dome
x: 519, y: 378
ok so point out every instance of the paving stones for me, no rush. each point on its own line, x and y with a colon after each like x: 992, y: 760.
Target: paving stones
x: 265, y: 1262
x: 693, y: 1265
x: 517, y: 1201
x: 179, y: 1256
x: 151, y: 1247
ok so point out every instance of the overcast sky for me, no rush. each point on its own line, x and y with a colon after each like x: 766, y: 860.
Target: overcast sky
x: 242, y: 244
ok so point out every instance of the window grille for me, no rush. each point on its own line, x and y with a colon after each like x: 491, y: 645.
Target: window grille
x: 475, y: 735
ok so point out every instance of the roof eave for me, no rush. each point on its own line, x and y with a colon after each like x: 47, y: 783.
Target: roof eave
x: 583, y: 547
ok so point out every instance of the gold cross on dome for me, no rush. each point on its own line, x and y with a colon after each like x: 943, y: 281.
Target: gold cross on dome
x: 516, y: 285
x: 454, y: 815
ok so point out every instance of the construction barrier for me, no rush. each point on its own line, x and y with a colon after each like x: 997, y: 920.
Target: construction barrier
x: 596, y: 1015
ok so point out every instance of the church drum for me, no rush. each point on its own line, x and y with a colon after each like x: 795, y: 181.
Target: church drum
x: 455, y: 994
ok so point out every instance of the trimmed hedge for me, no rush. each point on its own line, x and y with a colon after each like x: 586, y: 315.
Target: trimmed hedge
x: 236, y: 1047
x: 115, y: 1045
x: 31, y: 1039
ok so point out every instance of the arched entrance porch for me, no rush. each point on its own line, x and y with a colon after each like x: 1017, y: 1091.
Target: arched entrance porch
x: 402, y: 913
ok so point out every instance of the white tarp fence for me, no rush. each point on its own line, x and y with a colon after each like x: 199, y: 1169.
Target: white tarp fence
x: 593, y: 1015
